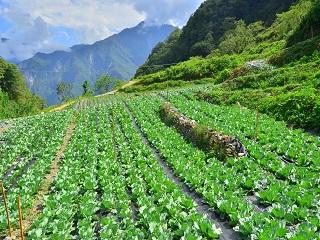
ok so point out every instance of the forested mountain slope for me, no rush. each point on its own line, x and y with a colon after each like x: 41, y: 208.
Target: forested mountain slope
x: 207, y: 26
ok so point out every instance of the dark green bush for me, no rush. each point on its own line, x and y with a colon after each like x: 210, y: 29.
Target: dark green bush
x: 301, y: 108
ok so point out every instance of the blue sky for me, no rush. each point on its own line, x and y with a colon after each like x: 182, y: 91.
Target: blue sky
x: 4, y: 25
x: 64, y: 35
x: 46, y: 25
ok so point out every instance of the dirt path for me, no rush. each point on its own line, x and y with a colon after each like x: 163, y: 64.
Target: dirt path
x: 128, y: 84
x: 38, y: 201
x: 62, y: 107
x: 4, y: 128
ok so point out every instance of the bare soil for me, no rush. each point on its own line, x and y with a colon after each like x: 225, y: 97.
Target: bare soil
x: 4, y: 128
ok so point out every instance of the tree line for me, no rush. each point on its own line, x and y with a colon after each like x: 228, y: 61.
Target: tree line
x: 102, y: 85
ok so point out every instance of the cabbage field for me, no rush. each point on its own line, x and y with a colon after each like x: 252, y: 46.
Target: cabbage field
x: 110, y: 168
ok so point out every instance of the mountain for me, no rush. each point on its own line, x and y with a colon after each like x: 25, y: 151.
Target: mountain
x: 119, y: 56
x: 208, y: 25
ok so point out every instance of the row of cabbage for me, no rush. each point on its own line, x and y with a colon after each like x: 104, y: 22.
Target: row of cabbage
x: 293, y: 145
x: 228, y: 187
x: 110, y: 186
x: 27, y: 151
x: 298, y: 185
x: 70, y: 208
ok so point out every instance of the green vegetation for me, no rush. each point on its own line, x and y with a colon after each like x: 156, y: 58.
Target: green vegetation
x: 310, y: 26
x: 142, y: 167
x: 86, y: 89
x: 64, y: 91
x: 106, y: 83
x: 208, y: 25
x: 15, y: 98
x: 113, y: 181
x: 242, y: 37
x: 299, y: 106
x: 266, y: 67
x: 225, y: 186
x: 213, y: 69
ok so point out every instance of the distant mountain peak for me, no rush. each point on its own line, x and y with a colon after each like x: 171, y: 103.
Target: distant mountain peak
x: 119, y: 55
x: 141, y: 24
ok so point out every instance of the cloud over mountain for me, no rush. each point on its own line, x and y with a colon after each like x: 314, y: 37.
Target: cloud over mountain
x: 46, y: 25
x: 175, y: 12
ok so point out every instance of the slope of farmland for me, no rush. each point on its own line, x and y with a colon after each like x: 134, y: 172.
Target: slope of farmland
x: 125, y: 174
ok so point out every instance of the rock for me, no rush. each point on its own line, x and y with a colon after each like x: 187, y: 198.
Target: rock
x: 258, y: 64
x: 224, y: 145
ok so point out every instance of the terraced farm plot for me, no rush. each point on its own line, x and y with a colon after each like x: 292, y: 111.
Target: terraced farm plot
x: 112, y: 169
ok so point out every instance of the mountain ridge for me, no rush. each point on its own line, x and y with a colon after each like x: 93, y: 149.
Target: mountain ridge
x: 207, y: 26
x: 119, y: 55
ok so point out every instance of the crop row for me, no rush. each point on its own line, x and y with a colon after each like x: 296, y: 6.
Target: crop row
x: 110, y: 187
x: 22, y: 139
x: 222, y: 185
x: 274, y: 136
x: 304, y: 191
x: 70, y: 208
x: 36, y: 148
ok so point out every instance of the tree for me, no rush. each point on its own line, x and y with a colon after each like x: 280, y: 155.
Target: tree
x: 86, y: 88
x: 12, y: 81
x: 102, y: 84
x: 15, y: 98
x: 64, y: 91
x: 240, y: 38
x: 203, y: 48
x: 105, y: 83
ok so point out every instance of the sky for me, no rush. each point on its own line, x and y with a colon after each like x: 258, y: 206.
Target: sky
x: 31, y: 26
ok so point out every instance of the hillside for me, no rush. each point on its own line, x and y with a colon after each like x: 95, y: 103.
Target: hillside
x: 207, y: 26
x: 15, y: 98
x: 274, y: 70
x: 119, y: 56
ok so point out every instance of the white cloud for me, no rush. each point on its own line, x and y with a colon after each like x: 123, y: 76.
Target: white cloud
x: 175, y: 12
x: 26, y: 37
x: 91, y: 20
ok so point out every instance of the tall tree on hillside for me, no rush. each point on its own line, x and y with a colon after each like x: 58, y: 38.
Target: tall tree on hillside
x: 240, y: 38
x: 86, y: 88
x: 105, y: 83
x: 64, y: 91
x: 11, y: 80
x: 204, y: 47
